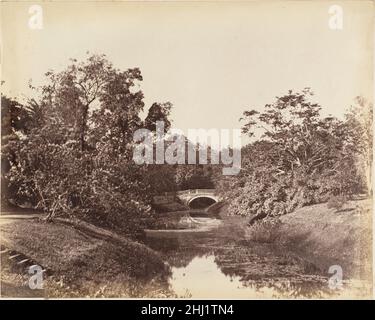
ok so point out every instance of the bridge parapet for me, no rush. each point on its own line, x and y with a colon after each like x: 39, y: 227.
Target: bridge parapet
x: 196, y: 191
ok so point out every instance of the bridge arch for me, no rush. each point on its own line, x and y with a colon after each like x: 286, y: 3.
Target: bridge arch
x: 190, y: 197
x: 204, y: 199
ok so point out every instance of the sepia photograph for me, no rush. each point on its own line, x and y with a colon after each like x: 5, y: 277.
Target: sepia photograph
x: 170, y: 150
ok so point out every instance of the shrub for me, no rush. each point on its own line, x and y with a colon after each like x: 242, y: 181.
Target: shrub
x: 266, y: 230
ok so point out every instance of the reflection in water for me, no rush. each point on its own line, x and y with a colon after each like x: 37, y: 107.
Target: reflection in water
x: 220, y: 264
x: 202, y: 278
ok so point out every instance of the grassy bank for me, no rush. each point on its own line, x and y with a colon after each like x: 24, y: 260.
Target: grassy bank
x: 327, y: 236
x: 82, y: 260
x: 319, y: 234
x: 317, y: 237
x: 85, y: 260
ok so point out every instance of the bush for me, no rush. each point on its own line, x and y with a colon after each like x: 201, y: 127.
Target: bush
x: 337, y: 202
x: 266, y: 230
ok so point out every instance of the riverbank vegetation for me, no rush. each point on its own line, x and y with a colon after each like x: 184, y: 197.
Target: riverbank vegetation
x: 299, y: 157
x: 318, y: 234
x: 68, y: 151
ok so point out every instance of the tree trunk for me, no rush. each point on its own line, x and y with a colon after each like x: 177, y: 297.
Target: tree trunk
x: 83, y: 127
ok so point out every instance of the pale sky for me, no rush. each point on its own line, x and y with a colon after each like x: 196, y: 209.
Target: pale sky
x: 211, y: 60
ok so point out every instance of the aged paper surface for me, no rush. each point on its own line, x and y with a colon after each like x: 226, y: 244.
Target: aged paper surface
x: 211, y: 149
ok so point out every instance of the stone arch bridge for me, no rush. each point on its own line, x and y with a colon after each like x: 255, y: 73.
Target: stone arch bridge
x: 187, y: 197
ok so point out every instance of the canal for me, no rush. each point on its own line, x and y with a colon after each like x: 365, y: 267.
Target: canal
x: 216, y: 261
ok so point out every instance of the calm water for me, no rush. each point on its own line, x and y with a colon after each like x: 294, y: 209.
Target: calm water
x: 219, y: 263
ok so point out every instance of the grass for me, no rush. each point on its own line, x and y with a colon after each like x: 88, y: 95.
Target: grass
x: 319, y: 234
x: 86, y: 260
x: 329, y: 236
x: 265, y: 230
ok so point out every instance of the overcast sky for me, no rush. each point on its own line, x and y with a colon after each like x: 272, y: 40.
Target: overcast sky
x: 211, y: 60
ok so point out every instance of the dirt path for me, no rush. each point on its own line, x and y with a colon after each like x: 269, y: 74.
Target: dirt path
x: 9, y: 217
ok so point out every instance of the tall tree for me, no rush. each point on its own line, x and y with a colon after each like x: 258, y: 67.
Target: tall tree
x: 294, y: 125
x: 72, y: 92
x: 359, y: 125
x: 158, y: 112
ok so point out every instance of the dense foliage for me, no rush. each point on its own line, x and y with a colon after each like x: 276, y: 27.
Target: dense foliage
x: 299, y: 157
x: 69, y: 152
